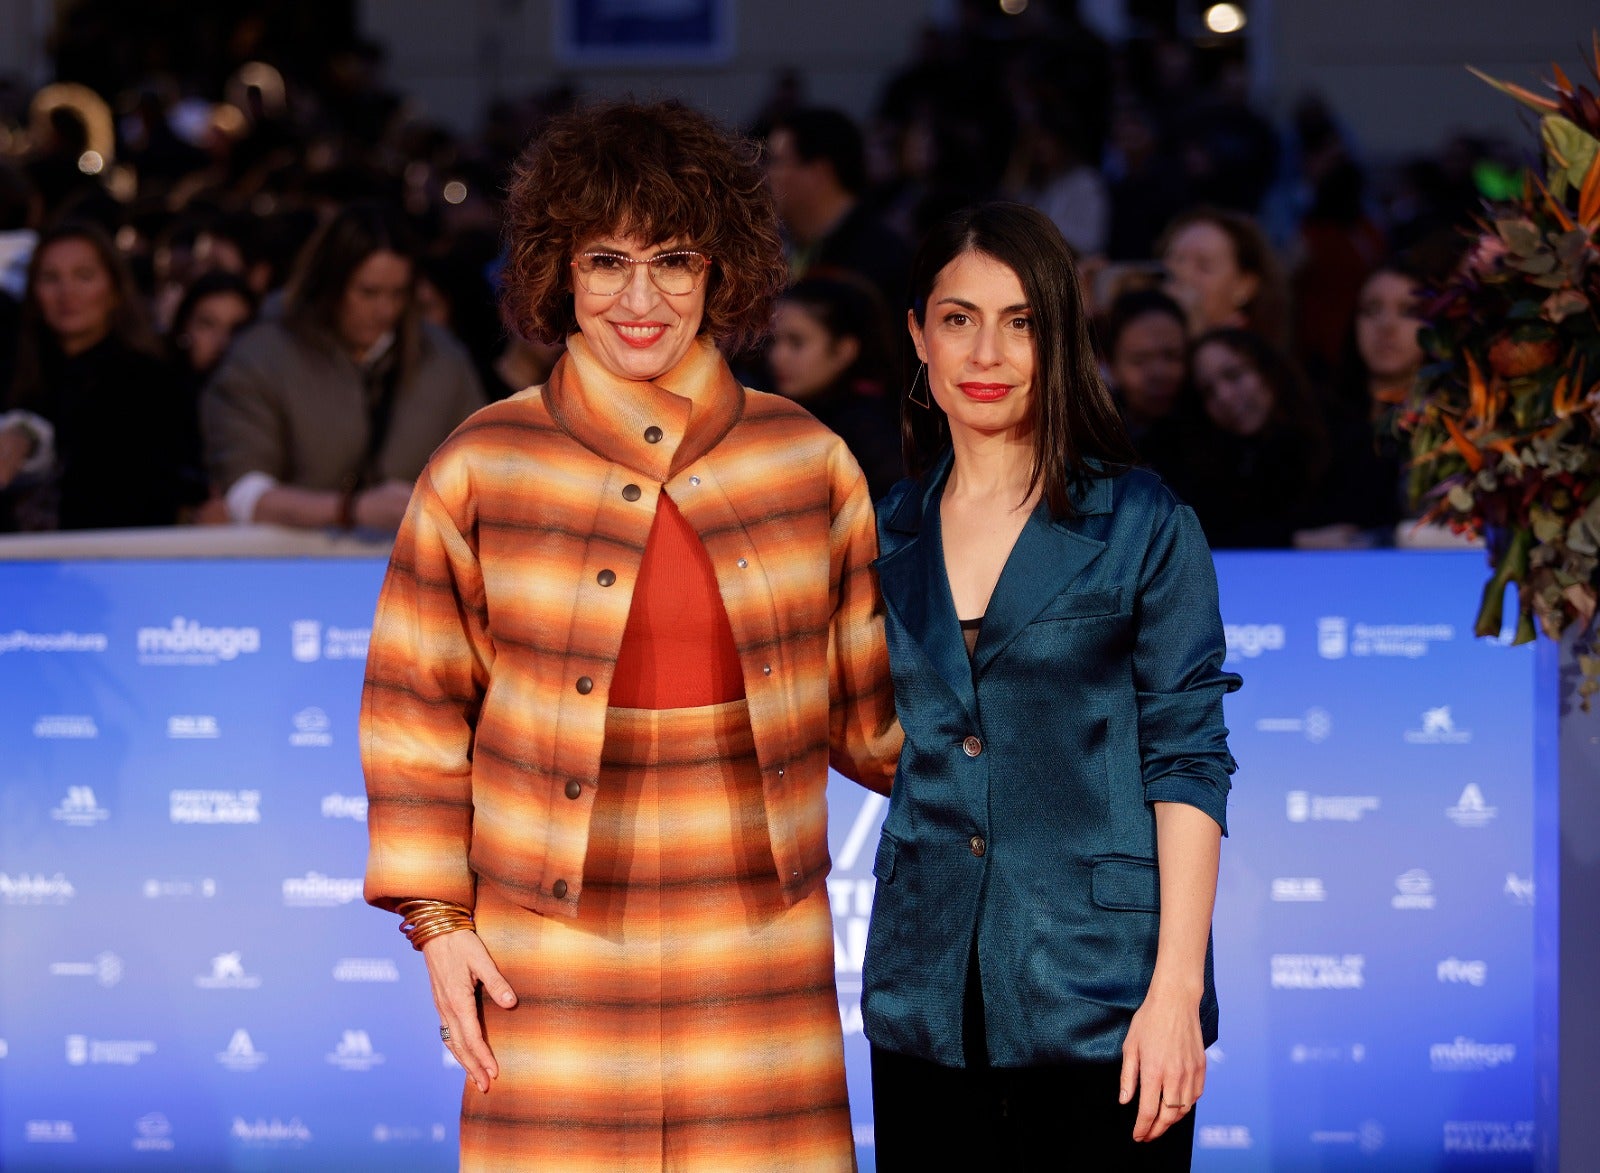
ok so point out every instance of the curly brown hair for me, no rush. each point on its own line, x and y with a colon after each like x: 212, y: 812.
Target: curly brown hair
x: 657, y: 171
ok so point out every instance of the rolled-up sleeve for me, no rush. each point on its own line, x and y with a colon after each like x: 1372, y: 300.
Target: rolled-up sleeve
x: 1177, y: 665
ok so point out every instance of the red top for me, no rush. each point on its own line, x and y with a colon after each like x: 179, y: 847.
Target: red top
x: 677, y: 650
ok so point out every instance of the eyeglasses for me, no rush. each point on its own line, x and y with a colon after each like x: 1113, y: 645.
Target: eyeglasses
x: 608, y: 274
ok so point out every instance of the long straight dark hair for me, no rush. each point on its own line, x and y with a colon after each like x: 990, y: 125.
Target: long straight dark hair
x: 1075, y: 420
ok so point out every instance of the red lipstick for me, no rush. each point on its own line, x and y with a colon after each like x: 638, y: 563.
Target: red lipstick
x: 985, y: 392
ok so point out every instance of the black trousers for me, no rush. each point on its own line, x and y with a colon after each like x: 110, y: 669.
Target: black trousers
x: 1058, y: 1117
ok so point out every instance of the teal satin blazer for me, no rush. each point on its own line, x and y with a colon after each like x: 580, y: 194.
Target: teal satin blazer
x: 1021, y: 813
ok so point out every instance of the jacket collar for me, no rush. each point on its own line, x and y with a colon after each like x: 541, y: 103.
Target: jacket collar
x: 1049, y: 554
x: 695, y: 405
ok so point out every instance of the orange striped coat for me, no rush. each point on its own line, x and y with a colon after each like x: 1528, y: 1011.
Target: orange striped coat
x: 498, y: 626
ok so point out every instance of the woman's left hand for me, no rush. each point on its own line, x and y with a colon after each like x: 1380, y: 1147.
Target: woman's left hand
x: 1164, y: 1057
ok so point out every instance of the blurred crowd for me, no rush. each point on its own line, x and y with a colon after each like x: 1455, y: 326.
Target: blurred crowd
x: 264, y: 294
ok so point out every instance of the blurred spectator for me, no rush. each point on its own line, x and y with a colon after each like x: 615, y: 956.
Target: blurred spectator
x: 1225, y: 275
x: 1254, y: 463
x: 327, y: 417
x: 818, y: 170
x: 1147, y: 363
x: 830, y: 352
x: 94, y: 436
x: 1053, y: 171
x: 1146, y: 183
x: 216, y: 307
x: 19, y: 208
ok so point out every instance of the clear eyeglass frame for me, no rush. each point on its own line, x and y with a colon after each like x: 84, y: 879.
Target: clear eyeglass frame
x: 673, y: 273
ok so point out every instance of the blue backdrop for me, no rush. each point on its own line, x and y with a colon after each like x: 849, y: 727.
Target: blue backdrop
x: 190, y: 980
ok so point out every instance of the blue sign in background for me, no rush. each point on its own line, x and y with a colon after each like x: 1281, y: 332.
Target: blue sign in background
x: 190, y: 980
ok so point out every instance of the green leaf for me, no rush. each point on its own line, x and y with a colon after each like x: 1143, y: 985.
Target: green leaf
x: 1576, y: 147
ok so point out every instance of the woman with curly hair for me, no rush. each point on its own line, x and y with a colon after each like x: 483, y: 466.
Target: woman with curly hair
x: 629, y: 621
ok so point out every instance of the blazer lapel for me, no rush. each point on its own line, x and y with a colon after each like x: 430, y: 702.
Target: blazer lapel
x: 1048, y: 555
x: 916, y: 588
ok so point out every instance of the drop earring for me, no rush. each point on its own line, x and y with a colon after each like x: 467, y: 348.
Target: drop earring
x: 927, y: 400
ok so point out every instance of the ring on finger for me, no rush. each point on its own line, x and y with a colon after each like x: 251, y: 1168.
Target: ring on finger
x: 1179, y: 1107
x: 444, y: 1034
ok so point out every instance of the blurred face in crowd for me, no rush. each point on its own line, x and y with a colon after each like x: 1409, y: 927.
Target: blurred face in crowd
x: 977, y: 339
x: 76, y: 294
x: 1236, y: 397
x: 792, y: 179
x: 1205, y: 276
x: 1148, y: 365
x: 374, y: 301
x: 1386, y: 327
x: 805, y: 358
x: 212, y: 325
x: 640, y: 333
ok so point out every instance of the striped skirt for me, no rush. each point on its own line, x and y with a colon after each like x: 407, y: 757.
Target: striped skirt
x: 686, y: 1019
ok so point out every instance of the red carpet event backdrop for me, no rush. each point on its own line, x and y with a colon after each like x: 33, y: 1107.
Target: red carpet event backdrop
x: 190, y: 979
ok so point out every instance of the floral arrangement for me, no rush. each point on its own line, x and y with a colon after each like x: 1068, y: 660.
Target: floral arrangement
x: 1504, y: 418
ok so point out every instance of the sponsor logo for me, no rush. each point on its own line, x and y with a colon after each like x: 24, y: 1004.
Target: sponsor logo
x: 65, y: 727
x: 354, y: 1052
x: 1488, y: 1136
x: 187, y: 642
x: 315, y: 890
x: 1318, y: 971
x: 227, y: 973
x: 53, y: 641
x: 1415, y: 891
x: 1249, y: 640
x: 83, y: 1050
x: 272, y: 1132
x: 1328, y: 1053
x: 1518, y: 889
x: 106, y: 969
x: 153, y: 1134
x: 1470, y: 810
x: 156, y: 889
x: 311, y: 727
x: 1368, y: 1137
x: 1453, y: 969
x: 193, y: 728
x: 79, y: 808
x: 212, y: 807
x: 241, y: 1054
x: 1438, y: 728
x: 1298, y: 890
x: 310, y: 641
x: 345, y: 806
x: 35, y: 889
x: 1337, y: 637
x: 49, y: 1132
x: 1316, y: 725
x: 1301, y: 806
x: 365, y: 969
x: 407, y: 1133
x: 1223, y: 1136
x: 1465, y: 1054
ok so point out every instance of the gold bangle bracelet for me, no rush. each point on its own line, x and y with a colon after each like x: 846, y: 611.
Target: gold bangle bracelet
x: 423, y: 920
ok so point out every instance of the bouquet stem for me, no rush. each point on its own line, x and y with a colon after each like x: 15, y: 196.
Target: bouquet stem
x: 1512, y: 567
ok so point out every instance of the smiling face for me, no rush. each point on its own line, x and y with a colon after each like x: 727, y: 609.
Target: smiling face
x: 1235, y: 395
x: 640, y: 333
x: 977, y: 338
x: 76, y: 294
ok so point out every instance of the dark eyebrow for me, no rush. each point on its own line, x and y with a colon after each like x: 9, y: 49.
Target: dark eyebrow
x: 1020, y: 308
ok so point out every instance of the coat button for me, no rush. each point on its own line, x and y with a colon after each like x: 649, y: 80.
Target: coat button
x: 978, y: 846
x: 972, y: 745
x: 606, y: 577
x: 652, y: 435
x: 766, y: 669
x: 574, y: 788
x: 585, y: 685
x: 743, y: 564
x: 630, y: 492
x: 559, y: 889
x: 694, y: 480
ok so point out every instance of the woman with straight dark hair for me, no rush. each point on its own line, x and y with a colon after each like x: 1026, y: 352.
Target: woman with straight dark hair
x: 325, y: 418
x: 1037, y: 986
x: 91, y: 439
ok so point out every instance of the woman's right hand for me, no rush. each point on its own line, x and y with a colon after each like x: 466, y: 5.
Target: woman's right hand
x: 457, y: 964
